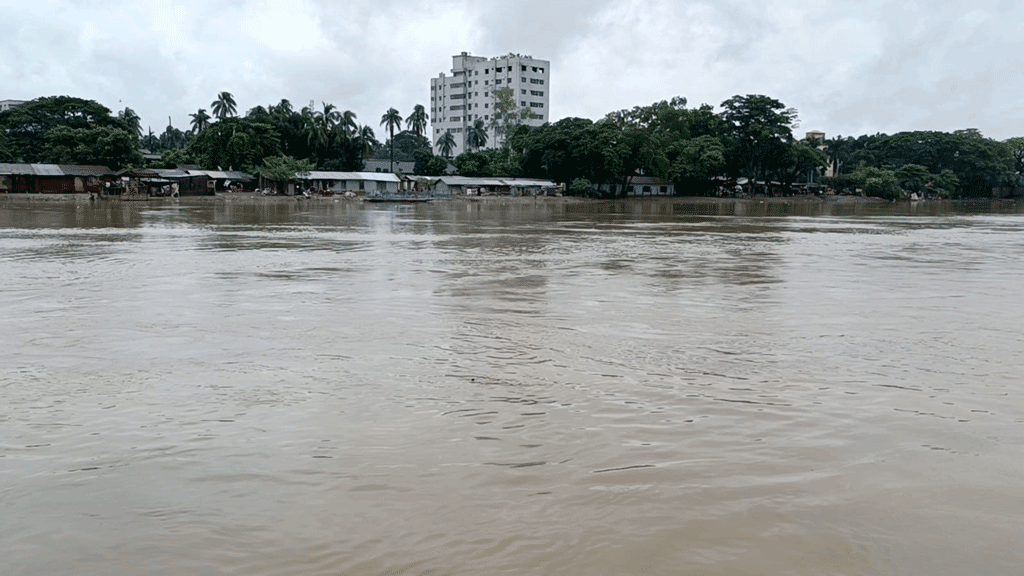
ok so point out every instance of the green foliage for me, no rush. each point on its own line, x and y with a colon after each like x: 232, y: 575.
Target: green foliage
x: 580, y: 187
x: 108, y: 146
x: 417, y: 121
x: 446, y: 144
x: 235, y: 143
x: 427, y: 164
x: 406, y: 144
x: 27, y: 127
x: 282, y: 169
x: 176, y: 157
x: 760, y: 130
x: 224, y: 106
x: 508, y: 116
x: 477, y: 164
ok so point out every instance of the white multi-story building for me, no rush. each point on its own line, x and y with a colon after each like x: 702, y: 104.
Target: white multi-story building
x: 457, y: 101
x: 6, y: 105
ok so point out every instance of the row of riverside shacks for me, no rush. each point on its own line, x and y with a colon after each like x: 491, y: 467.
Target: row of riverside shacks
x: 53, y: 178
x: 72, y: 179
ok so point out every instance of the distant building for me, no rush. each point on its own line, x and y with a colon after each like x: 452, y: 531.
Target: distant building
x: 6, y: 105
x: 457, y: 101
x: 815, y: 136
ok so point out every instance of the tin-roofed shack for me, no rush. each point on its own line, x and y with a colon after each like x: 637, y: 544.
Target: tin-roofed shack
x: 226, y: 180
x: 465, y: 185
x: 359, y: 183
x: 53, y: 178
x: 165, y: 182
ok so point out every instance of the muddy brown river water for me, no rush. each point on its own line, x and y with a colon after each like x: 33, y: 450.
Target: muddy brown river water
x: 541, y: 387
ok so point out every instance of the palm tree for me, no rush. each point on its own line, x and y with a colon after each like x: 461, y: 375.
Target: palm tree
x: 283, y: 108
x: 330, y: 116
x: 446, y: 144
x: 417, y: 121
x: 477, y: 137
x: 348, y: 123
x: 224, y: 105
x: 367, y: 141
x: 391, y: 120
x: 200, y: 120
x: 132, y: 120
x: 315, y: 127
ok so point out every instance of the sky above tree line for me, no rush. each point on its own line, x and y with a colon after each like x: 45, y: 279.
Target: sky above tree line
x: 849, y: 68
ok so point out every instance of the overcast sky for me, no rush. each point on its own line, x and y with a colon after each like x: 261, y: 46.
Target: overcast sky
x: 848, y: 68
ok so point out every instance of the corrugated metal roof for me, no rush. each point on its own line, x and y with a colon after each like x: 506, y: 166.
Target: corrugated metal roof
x: 470, y: 181
x: 370, y: 176
x: 75, y: 170
x: 222, y: 174
x: 16, y: 169
x: 47, y: 170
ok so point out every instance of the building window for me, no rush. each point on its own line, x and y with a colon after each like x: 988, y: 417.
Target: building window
x: 486, y: 70
x: 535, y: 104
x: 524, y: 91
x: 537, y: 92
x: 477, y: 73
x: 536, y: 81
x: 498, y: 69
x: 524, y: 78
x: 524, y: 68
x: 485, y: 94
x: 534, y: 68
x: 458, y: 96
x: 485, y: 84
x: 456, y: 118
x: 498, y: 81
x: 485, y: 104
x: 485, y: 117
x: 459, y: 107
x: 523, y: 103
x: 541, y: 70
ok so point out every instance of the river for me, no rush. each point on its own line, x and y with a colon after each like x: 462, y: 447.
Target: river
x: 282, y: 387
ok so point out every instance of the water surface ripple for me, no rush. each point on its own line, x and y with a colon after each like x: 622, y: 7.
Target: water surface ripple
x: 666, y: 387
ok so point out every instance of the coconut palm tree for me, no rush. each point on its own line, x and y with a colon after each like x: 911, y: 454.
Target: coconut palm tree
x: 316, y: 129
x: 330, y: 116
x: 224, y: 105
x: 391, y: 120
x: 446, y: 144
x: 283, y: 108
x: 367, y: 141
x: 200, y: 120
x: 417, y: 121
x: 477, y: 137
x: 132, y: 120
x: 348, y: 123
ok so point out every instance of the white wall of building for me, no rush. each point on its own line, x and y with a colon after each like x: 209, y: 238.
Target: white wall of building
x: 456, y: 101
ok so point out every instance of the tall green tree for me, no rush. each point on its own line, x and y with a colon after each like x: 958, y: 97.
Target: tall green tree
x: 477, y: 136
x: 417, y: 121
x: 283, y: 169
x: 392, y: 120
x: 109, y: 146
x: 235, y: 143
x: 26, y: 127
x: 445, y: 144
x: 132, y: 120
x: 761, y: 129
x: 224, y: 106
x: 200, y: 121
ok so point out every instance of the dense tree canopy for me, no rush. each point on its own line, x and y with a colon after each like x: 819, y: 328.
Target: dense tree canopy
x: 748, y: 141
